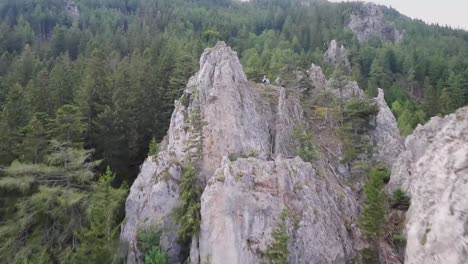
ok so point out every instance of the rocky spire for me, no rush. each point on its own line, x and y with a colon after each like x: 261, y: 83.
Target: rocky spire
x: 345, y: 89
x: 337, y: 56
x: 386, y: 135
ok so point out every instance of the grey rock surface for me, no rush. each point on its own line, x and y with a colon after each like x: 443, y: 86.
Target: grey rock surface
x: 243, y: 202
x: 337, y: 56
x: 237, y: 119
x: 433, y: 170
x: 386, y: 135
x: 220, y: 114
x: 369, y: 21
x: 289, y: 115
x: 345, y: 89
x: 71, y: 9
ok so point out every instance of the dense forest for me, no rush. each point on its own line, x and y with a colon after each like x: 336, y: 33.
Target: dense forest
x: 85, y: 86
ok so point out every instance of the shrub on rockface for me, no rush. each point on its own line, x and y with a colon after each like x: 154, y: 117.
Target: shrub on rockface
x: 356, y: 117
x: 278, y: 252
x: 306, y: 148
x: 187, y: 212
x: 148, y: 243
x: 400, y: 200
x: 373, y: 219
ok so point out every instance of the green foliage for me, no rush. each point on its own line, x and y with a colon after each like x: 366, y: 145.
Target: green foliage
x: 56, y: 195
x: 149, y: 244
x: 187, y: 212
x: 250, y: 154
x: 306, y: 149
x: 374, y: 216
x: 408, y: 116
x: 153, y: 147
x: 400, y: 200
x: 356, y: 116
x: 278, y: 252
x: 370, y: 255
x: 156, y: 256
x: 69, y: 126
x: 99, y: 240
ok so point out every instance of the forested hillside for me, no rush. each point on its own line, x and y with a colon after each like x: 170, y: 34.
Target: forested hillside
x: 86, y: 85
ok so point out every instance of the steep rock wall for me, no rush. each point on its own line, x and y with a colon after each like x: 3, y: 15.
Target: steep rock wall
x: 433, y: 171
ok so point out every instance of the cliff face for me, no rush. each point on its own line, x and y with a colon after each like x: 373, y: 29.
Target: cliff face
x: 433, y: 170
x: 369, y: 21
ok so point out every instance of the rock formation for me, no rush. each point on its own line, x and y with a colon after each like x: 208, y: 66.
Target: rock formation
x: 72, y: 9
x: 433, y: 171
x: 386, y: 136
x: 243, y: 202
x: 340, y: 88
x: 337, y: 56
x: 222, y: 115
x: 369, y: 21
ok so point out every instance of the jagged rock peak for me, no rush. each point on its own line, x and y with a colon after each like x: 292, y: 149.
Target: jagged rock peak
x: 369, y: 21
x: 433, y: 171
x: 337, y: 55
x: 386, y: 134
x: 317, y: 77
x: 219, y: 65
x: 343, y: 89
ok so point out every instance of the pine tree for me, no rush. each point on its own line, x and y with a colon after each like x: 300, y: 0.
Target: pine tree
x: 56, y: 195
x: 98, y: 242
x: 62, y: 82
x: 35, y: 140
x: 187, y: 212
x: 373, y: 219
x: 94, y: 94
x: 278, y: 252
x: 15, y: 115
x: 69, y: 126
x: 153, y: 147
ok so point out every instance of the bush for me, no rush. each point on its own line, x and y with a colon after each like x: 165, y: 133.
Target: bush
x: 356, y: 116
x: 374, y: 215
x: 400, y: 200
x: 153, y: 147
x: 278, y: 252
x: 187, y: 212
x: 370, y: 256
x: 306, y: 148
x: 250, y: 154
x: 148, y: 243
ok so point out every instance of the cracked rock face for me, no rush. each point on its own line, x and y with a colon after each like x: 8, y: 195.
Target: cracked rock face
x: 369, y: 21
x: 243, y: 201
x: 433, y: 170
